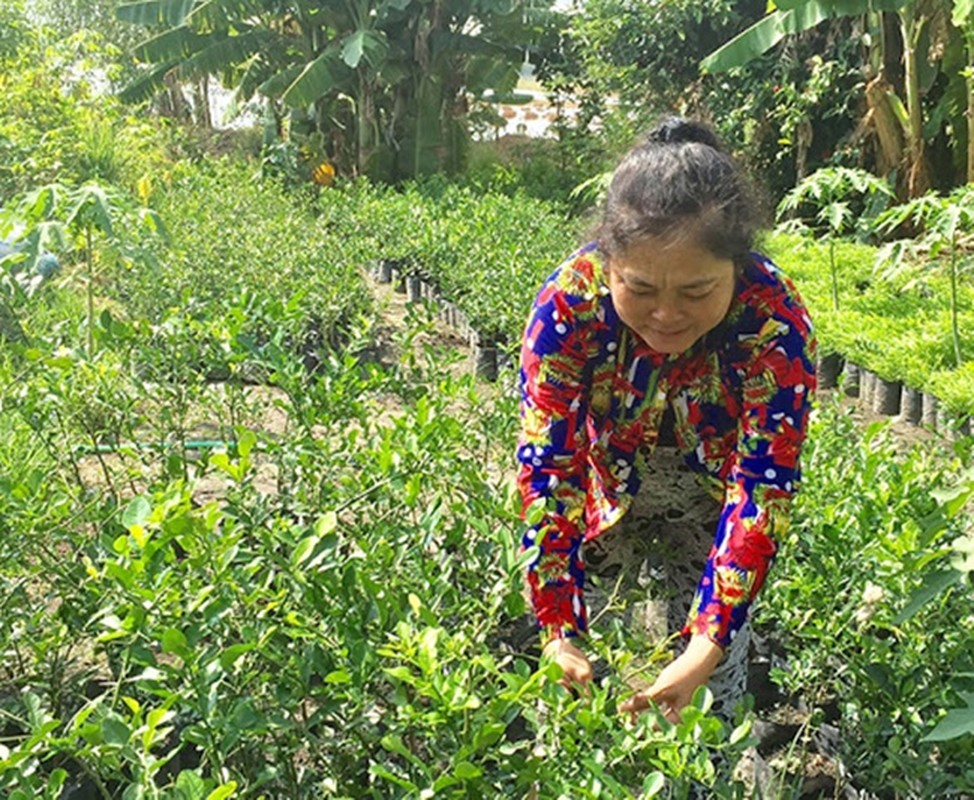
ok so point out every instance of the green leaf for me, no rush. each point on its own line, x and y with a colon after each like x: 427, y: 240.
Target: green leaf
x: 326, y: 523
x: 175, y: 43
x: 152, y: 222
x: 115, y: 732
x: 220, y: 54
x: 445, y: 781
x: 174, y: 641
x: 394, y: 744
x: 934, y: 584
x: 747, y: 45
x: 653, y: 784
x: 428, y: 659
x: 303, y: 550
x: 148, y: 82
x: 488, y: 735
x: 963, y: 560
x: 339, y: 676
x: 232, y: 654
x: 963, y: 14
x: 190, y: 786
x: 277, y: 84
x: 958, y: 722
x: 789, y: 18
x: 740, y: 732
x: 380, y: 771
x: 40, y: 204
x: 955, y: 498
x: 133, y: 792
x: 837, y: 213
x: 154, y: 12
x: 353, y: 47
x: 403, y: 674
x: 316, y: 79
x: 92, y: 209
x: 222, y: 792
x: 466, y: 771
x: 137, y: 512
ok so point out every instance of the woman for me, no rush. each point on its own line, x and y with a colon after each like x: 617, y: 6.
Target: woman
x: 668, y: 314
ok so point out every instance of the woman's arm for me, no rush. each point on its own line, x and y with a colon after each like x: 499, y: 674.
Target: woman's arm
x: 763, y: 478
x: 764, y: 474
x: 552, y: 450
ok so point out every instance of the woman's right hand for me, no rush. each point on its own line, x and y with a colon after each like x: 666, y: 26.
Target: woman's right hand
x: 575, y: 666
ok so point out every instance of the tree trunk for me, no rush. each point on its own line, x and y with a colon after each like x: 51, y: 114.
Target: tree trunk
x: 363, y: 106
x: 175, y: 103
x: 883, y: 119
x: 918, y: 180
x: 954, y: 327
x: 201, y: 100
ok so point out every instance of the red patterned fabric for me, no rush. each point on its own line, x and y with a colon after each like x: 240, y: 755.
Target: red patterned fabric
x: 593, y: 395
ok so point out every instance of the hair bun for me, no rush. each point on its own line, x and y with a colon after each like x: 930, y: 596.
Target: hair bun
x: 678, y: 130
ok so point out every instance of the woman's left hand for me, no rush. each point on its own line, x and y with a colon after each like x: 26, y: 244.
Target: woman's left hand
x: 678, y: 681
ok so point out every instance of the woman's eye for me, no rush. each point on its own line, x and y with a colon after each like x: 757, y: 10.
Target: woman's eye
x: 698, y: 294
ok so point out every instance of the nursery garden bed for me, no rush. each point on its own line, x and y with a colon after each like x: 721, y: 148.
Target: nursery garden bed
x: 315, y: 607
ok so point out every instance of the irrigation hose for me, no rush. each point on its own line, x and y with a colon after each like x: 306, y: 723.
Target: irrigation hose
x: 192, y: 444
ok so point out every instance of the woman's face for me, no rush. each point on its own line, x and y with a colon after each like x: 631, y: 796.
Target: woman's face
x: 670, y: 292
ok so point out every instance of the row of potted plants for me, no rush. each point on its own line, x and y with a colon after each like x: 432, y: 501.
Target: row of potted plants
x: 481, y: 259
x: 892, y: 398
x: 489, y: 357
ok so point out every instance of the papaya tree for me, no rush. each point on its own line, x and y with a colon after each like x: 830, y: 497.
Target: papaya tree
x: 946, y: 224
x: 831, y: 192
x: 90, y: 224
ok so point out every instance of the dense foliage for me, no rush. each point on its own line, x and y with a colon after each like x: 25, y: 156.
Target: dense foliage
x: 243, y: 555
x: 800, y: 85
x: 384, y: 84
x: 878, y: 627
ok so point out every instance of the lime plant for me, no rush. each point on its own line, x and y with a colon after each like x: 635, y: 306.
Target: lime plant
x: 874, y: 561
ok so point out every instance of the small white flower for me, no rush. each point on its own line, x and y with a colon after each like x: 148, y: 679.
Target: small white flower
x: 873, y: 594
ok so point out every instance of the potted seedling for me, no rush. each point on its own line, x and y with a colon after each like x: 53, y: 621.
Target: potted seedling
x: 946, y: 223
x: 831, y: 191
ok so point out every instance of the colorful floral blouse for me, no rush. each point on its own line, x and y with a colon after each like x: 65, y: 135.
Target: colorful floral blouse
x: 593, y: 395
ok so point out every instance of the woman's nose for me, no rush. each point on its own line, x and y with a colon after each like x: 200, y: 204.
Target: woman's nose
x: 666, y: 311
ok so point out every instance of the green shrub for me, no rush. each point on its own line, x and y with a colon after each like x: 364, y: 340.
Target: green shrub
x: 871, y: 526
x: 248, y: 255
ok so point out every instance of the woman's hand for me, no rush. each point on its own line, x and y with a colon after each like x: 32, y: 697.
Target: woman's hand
x: 676, y: 684
x: 575, y: 666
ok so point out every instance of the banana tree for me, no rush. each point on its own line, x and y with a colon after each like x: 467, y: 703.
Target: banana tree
x: 963, y: 19
x: 371, y: 74
x: 792, y: 17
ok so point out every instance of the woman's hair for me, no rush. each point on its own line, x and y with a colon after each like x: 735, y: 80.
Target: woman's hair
x: 681, y: 182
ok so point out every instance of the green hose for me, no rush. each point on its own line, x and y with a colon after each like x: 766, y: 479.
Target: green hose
x: 192, y: 444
